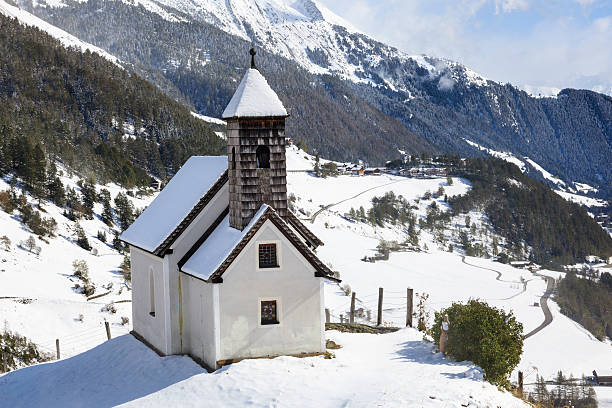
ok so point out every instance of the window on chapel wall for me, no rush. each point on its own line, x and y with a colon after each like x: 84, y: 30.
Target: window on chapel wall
x: 269, y: 313
x: 233, y: 158
x: 263, y: 157
x: 267, y: 256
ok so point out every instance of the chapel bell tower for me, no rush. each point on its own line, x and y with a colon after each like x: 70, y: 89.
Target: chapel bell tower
x: 257, y: 168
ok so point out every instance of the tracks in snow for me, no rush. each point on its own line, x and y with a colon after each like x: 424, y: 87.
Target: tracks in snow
x: 327, y: 207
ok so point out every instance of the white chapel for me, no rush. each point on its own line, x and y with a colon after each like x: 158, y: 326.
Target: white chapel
x: 221, y: 269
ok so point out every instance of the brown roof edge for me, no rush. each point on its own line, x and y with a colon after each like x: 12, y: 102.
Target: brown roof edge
x: 203, y: 238
x: 321, y: 269
x: 308, y: 235
x: 162, y: 249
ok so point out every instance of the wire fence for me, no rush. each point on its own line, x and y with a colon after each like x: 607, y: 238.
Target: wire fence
x: 395, y: 305
x: 69, y: 344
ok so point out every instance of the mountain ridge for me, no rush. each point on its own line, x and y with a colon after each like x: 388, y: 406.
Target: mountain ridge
x: 433, y: 98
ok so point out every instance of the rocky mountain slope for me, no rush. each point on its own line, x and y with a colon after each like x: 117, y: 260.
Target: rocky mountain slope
x: 337, y: 81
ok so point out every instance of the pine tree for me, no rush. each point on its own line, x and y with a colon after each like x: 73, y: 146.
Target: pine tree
x: 125, y: 211
x: 561, y: 386
x: 38, y: 179
x: 494, y: 246
x: 117, y: 243
x: 541, y: 392
x: 107, y: 214
x: 88, y: 190
x: 81, y: 237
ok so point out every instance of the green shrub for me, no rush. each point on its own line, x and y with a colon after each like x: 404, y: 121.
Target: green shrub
x: 488, y: 336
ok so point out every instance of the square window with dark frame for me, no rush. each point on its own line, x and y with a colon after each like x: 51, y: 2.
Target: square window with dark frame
x: 268, y: 312
x: 267, y: 256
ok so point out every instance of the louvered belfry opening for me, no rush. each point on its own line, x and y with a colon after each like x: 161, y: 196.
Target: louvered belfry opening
x: 251, y: 183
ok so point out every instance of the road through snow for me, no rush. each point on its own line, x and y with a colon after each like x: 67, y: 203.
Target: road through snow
x: 550, y: 284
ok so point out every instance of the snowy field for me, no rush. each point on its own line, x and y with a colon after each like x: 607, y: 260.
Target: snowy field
x: 391, y: 370
x: 37, y: 298
x: 388, y: 369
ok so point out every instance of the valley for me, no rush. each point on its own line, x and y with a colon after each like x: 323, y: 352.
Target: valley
x: 403, y: 187
x: 50, y: 300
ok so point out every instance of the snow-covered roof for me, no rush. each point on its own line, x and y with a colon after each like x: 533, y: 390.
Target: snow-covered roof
x: 254, y: 98
x: 211, y: 258
x: 218, y: 246
x: 175, y: 201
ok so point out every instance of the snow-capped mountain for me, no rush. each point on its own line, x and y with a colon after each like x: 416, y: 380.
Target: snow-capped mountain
x: 67, y: 40
x: 374, y: 87
x: 319, y: 40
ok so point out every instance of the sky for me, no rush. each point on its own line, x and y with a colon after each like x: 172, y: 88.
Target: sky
x: 548, y: 43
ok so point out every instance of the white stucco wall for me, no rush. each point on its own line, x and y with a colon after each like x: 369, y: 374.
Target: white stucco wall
x: 180, y: 247
x: 299, y: 303
x: 198, y: 319
x: 152, y: 328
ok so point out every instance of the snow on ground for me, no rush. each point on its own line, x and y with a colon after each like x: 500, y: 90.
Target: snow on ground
x: 387, y: 369
x: 442, y: 275
x: 545, y: 173
x: 580, y: 199
x: 391, y: 370
x: 66, y: 39
x: 563, y: 189
x: 209, y: 119
x: 507, y: 156
x: 52, y: 307
x: 541, y: 91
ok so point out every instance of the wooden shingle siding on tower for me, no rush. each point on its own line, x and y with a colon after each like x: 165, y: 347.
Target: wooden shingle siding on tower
x: 252, y: 186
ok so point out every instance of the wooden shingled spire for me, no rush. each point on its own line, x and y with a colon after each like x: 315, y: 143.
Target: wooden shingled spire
x: 257, y: 166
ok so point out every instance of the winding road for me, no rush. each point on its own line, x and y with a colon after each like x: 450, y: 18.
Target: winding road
x: 550, y: 285
x: 548, y: 318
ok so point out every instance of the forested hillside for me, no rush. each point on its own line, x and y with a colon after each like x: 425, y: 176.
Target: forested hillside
x: 588, y: 301
x: 391, y: 101
x: 92, y: 115
x: 525, y: 211
x: 201, y: 65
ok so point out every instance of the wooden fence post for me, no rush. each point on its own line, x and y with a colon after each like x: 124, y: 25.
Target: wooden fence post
x: 520, y: 383
x: 380, y: 303
x: 107, y: 330
x: 409, y: 307
x: 57, y: 349
x: 326, y: 315
x: 341, y: 318
x: 369, y: 312
x: 352, y: 315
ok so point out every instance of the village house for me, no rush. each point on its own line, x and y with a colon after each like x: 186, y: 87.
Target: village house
x: 221, y: 269
x: 357, y: 170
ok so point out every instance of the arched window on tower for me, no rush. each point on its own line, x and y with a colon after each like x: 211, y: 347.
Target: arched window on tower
x: 233, y: 158
x: 263, y: 157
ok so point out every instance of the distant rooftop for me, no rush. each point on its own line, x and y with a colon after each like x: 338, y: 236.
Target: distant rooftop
x: 254, y: 98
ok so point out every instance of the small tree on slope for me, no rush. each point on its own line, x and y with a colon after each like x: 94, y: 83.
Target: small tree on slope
x: 488, y: 336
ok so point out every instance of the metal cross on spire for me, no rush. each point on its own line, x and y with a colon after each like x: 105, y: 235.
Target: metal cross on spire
x: 252, y: 52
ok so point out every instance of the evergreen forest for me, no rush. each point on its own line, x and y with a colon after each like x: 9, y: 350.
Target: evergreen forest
x: 526, y: 211
x: 88, y: 113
